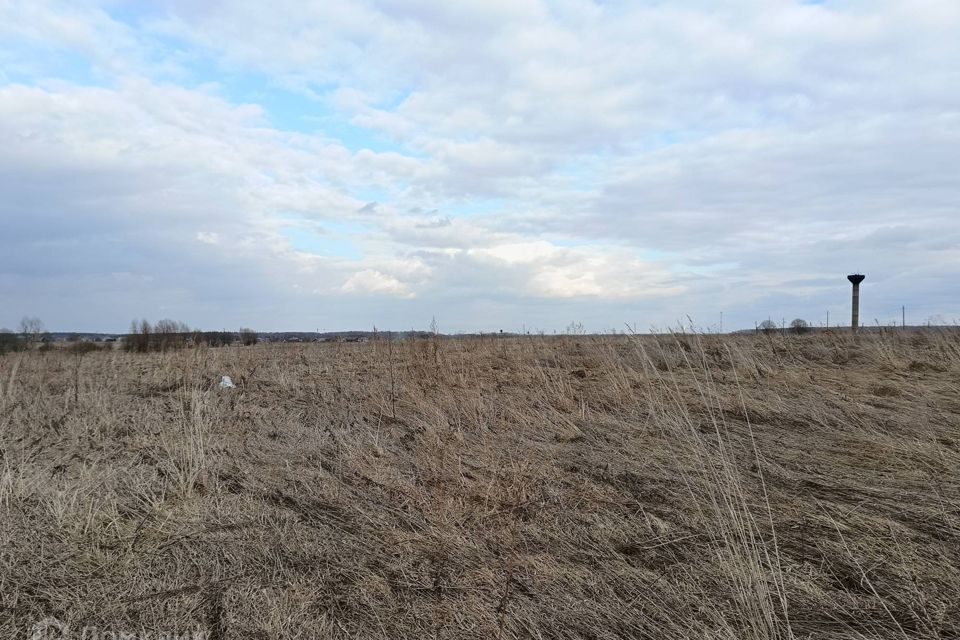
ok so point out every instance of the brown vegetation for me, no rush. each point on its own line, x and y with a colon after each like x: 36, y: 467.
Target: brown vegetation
x: 763, y: 486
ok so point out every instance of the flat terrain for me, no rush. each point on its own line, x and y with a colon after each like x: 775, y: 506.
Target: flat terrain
x: 574, y: 487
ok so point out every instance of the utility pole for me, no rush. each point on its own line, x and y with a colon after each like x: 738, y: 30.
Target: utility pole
x: 828, y: 318
x: 903, y: 323
x: 721, y: 322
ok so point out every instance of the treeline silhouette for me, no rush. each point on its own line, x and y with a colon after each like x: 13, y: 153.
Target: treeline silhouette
x: 31, y: 332
x: 9, y: 341
x: 168, y: 335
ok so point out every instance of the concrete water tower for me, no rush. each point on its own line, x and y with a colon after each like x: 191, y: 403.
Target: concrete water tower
x: 855, y: 279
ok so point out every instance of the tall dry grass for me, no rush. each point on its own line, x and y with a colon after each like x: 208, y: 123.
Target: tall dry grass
x: 684, y: 486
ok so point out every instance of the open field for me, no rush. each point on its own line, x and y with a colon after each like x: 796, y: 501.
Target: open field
x: 575, y: 487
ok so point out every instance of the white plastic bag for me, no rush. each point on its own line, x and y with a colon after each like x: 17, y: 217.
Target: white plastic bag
x: 226, y: 383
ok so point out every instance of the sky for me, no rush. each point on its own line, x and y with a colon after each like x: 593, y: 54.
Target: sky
x: 492, y: 164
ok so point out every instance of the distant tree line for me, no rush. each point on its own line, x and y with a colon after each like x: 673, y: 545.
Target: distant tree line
x: 30, y: 333
x: 10, y: 341
x: 798, y: 325
x: 167, y: 335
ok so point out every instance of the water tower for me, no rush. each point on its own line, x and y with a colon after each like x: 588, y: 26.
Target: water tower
x: 855, y: 279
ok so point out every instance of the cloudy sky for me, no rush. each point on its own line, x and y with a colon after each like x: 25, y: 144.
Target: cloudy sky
x: 491, y: 163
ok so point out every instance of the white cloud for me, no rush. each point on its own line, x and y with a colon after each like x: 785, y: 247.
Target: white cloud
x: 675, y: 157
x: 208, y: 237
x: 377, y: 282
x: 545, y: 270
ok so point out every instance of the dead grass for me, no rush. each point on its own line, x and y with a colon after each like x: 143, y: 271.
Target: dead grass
x: 576, y: 487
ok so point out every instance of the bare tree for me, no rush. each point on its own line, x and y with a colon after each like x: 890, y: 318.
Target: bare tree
x: 170, y: 333
x: 165, y: 334
x: 32, y: 329
x: 139, y: 338
x: 248, y: 336
x: 799, y: 325
x: 768, y: 326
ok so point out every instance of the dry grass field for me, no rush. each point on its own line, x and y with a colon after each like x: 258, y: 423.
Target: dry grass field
x: 571, y: 487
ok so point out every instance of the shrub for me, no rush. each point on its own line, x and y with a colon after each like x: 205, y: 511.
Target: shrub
x: 82, y: 346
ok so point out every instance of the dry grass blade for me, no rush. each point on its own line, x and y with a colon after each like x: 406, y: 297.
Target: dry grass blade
x: 682, y: 486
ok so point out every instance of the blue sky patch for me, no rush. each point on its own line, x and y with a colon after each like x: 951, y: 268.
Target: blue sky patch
x: 319, y: 243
